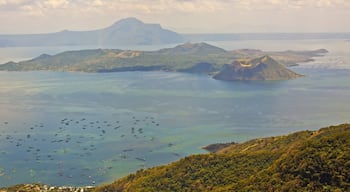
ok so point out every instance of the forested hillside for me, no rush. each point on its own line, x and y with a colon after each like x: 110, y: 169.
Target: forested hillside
x: 302, y: 161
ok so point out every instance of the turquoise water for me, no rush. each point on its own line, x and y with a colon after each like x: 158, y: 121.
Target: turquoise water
x: 85, y: 129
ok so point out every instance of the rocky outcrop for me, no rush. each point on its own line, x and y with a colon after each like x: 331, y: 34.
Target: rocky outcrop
x: 263, y: 68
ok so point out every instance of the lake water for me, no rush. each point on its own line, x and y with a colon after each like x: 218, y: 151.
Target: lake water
x: 84, y: 129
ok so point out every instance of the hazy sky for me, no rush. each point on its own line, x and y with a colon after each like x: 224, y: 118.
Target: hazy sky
x: 184, y: 16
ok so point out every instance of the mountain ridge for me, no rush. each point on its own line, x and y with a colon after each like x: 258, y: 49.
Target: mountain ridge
x: 128, y: 31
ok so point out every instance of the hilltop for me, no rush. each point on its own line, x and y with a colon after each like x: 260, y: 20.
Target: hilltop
x: 189, y: 57
x: 262, y: 68
x: 128, y: 31
x: 193, y: 48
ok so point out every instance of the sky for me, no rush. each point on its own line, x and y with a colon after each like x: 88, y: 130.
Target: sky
x: 183, y: 16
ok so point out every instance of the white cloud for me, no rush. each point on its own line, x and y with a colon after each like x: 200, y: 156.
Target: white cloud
x: 183, y: 15
x: 98, y: 3
x: 14, y: 2
x: 56, y: 3
x: 187, y: 6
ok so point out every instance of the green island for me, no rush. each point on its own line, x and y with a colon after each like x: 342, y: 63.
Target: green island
x: 242, y: 64
x: 301, y: 161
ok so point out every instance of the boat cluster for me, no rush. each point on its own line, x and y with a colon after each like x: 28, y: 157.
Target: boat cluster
x: 67, y: 144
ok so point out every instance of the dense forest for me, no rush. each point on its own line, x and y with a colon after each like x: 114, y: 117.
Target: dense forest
x: 302, y: 161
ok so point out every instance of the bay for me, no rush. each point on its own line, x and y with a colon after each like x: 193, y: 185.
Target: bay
x: 85, y: 129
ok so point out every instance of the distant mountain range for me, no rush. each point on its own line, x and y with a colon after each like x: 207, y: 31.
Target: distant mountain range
x: 129, y: 31
x: 244, y: 64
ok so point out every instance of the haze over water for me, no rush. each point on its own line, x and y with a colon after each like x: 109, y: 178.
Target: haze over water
x: 85, y: 129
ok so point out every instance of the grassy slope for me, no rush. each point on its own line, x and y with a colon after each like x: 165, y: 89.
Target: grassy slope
x: 302, y: 161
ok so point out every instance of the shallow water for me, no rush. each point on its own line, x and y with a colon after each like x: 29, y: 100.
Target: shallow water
x: 85, y: 129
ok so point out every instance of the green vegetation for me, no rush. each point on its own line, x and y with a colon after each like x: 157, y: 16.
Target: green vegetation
x: 303, y: 161
x: 192, y: 58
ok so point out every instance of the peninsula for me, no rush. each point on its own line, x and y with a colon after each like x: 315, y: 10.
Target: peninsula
x: 189, y: 57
